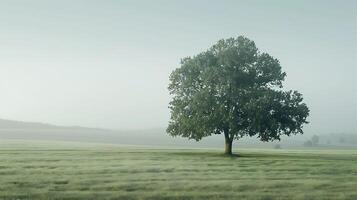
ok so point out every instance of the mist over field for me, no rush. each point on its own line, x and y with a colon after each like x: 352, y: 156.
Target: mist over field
x: 106, y: 65
x: 10, y: 130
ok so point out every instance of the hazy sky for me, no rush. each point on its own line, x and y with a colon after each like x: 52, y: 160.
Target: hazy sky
x: 106, y: 63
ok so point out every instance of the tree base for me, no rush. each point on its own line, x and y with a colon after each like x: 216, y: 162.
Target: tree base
x: 228, y: 148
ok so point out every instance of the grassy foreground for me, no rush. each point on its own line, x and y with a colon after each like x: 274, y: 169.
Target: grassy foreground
x: 76, y: 171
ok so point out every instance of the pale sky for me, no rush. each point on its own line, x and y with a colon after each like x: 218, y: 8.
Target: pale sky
x: 106, y: 63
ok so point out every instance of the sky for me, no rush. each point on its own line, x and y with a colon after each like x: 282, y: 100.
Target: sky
x: 106, y: 63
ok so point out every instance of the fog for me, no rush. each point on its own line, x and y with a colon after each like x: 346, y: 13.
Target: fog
x: 106, y: 64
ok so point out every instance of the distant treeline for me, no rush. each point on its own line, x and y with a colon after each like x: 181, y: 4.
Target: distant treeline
x: 333, y: 139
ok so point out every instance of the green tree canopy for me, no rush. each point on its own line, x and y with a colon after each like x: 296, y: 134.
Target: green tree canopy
x: 235, y: 90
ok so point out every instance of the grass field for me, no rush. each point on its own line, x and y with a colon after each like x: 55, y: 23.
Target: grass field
x: 34, y: 170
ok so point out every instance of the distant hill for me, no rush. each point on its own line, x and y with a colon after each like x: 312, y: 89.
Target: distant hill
x: 21, y: 125
x: 10, y: 129
x: 10, y: 124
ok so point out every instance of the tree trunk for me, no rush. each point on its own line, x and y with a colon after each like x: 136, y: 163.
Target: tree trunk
x: 228, y: 145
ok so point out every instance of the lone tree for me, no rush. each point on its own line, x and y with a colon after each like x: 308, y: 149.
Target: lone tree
x: 235, y: 90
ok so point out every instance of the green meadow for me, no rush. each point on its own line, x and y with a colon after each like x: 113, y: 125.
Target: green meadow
x: 49, y: 170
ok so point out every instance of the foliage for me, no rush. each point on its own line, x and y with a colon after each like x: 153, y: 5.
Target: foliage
x: 233, y: 89
x: 315, y: 140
